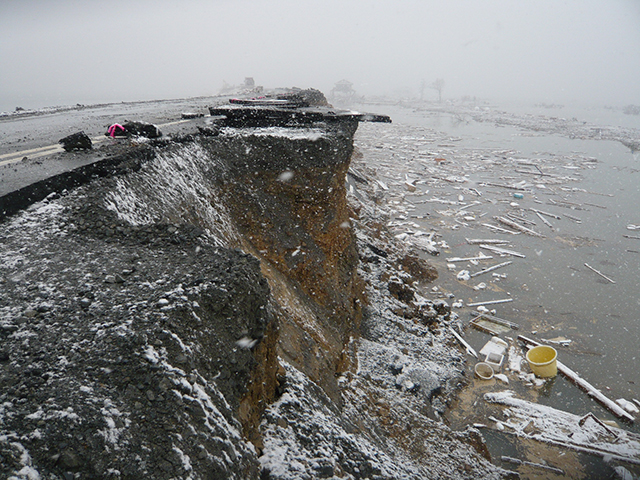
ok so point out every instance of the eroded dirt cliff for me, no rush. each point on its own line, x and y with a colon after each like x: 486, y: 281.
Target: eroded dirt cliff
x: 223, y: 308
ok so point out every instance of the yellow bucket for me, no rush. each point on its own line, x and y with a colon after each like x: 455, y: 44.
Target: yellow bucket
x: 543, y: 361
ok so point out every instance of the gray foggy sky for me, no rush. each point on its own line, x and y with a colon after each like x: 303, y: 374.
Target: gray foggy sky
x: 86, y: 51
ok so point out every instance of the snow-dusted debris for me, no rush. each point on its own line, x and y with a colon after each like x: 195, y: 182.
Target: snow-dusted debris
x: 178, y: 185
x: 96, y: 377
x: 547, y: 424
x: 376, y: 434
x: 311, y: 134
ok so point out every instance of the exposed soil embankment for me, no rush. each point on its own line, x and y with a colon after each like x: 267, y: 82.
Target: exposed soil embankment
x: 290, y: 208
x: 219, y: 309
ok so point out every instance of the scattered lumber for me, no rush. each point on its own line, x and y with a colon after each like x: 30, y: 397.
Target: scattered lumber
x: 552, y: 215
x: 499, y: 321
x: 546, y: 424
x: 586, y: 386
x: 468, y: 347
x: 575, y: 219
x: 599, y: 273
x: 502, y: 251
x: 544, y: 220
x: 490, y: 269
x: 489, y: 241
x: 499, y: 229
x: 517, y: 461
x: 501, y: 185
x: 490, y: 302
x: 517, y: 226
x: 466, y: 259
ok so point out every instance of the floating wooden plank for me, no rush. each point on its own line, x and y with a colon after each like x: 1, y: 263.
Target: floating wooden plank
x: 541, y: 174
x: 473, y: 204
x: 490, y: 302
x: 599, y: 273
x: 544, y: 220
x: 567, y: 204
x: 502, y: 251
x: 500, y: 321
x: 466, y: 259
x: 468, y: 347
x: 516, y: 218
x: 517, y: 226
x: 517, y: 461
x: 499, y: 229
x: 475, y: 241
x: 556, y: 427
x: 494, y: 327
x: 586, y: 386
x: 490, y: 329
x: 510, y: 187
x: 594, y: 205
x: 490, y: 269
x: 552, y: 215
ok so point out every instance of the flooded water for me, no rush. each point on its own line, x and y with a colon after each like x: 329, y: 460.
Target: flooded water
x: 592, y: 185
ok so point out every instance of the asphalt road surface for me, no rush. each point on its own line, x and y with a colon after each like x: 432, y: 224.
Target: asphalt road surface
x: 29, y: 148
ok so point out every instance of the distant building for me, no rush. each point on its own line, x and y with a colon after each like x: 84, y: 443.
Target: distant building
x: 342, y: 93
x: 248, y: 87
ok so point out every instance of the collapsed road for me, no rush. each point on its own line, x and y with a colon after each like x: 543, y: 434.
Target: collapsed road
x: 211, y: 305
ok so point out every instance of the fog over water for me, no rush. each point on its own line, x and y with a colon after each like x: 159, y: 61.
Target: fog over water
x: 67, y: 52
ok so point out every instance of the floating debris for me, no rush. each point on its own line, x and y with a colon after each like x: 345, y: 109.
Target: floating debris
x: 628, y: 406
x: 499, y: 229
x: 481, y: 256
x: 410, y: 184
x: 499, y: 321
x: 517, y: 226
x: 549, y: 425
x: 544, y: 220
x: 476, y: 241
x: 468, y: 347
x: 490, y: 269
x: 552, y: 215
x: 599, y: 273
x: 463, y: 275
x: 502, y: 251
x: 515, y: 360
x: 490, y: 302
x: 426, y: 243
x: 586, y: 386
x: 493, y: 352
x: 511, y: 187
x: 517, y: 461
x: 563, y: 342
x: 575, y: 219
x: 484, y: 371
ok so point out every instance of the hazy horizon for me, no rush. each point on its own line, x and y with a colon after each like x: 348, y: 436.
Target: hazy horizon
x: 572, y: 51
